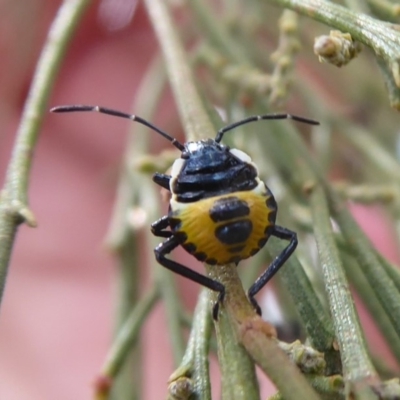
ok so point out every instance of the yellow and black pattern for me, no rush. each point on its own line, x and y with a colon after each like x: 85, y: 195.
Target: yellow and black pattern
x: 220, y: 210
x: 226, y: 228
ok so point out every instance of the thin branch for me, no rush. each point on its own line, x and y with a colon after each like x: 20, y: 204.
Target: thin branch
x: 376, y: 34
x: 308, y: 180
x: 123, y: 233
x: 258, y: 338
x: 194, y: 365
x: 365, y: 291
x: 355, y: 359
x: 124, y: 341
x: 197, y: 124
x: 384, y: 287
x: 14, y: 208
x: 368, y: 30
x: 218, y: 36
x: 314, y: 316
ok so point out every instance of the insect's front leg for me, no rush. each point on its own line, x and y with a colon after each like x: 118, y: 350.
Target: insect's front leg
x: 162, y: 180
x: 158, y: 228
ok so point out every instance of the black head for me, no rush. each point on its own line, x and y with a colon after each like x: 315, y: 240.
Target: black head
x: 207, y: 168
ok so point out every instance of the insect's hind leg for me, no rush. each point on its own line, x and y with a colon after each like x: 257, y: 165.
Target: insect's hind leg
x: 170, y: 244
x: 281, y: 233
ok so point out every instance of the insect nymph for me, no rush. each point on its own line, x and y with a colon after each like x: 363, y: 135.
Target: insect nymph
x: 220, y: 210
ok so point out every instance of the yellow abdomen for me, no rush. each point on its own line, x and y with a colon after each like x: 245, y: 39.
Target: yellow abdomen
x: 227, y: 228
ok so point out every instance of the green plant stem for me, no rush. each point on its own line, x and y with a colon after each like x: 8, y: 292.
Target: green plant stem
x: 371, y: 148
x: 385, y: 9
x: 304, y: 294
x: 196, y: 123
x: 216, y: 32
x: 14, y: 208
x: 316, y: 320
x: 384, y: 287
x: 284, y: 57
x: 391, y: 86
x: 173, y: 311
x: 163, y: 277
x: 391, y: 270
x: 194, y: 364
x: 237, y: 368
x: 369, y: 31
x: 240, y: 323
x: 123, y: 384
x: 123, y: 234
x: 128, y: 194
x: 128, y: 334
x: 365, y: 291
x: 355, y: 359
x: 307, y: 175
x: 368, y: 194
x: 330, y: 387
x: 309, y: 360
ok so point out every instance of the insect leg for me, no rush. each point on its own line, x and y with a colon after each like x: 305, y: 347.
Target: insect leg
x: 158, y: 228
x: 162, y: 180
x: 170, y: 244
x: 281, y: 233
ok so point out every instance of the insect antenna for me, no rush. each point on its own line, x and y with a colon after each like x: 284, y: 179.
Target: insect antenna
x: 254, y: 118
x: 109, y: 111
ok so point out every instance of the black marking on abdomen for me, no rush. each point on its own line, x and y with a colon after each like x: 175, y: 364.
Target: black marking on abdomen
x: 227, y: 208
x: 235, y: 232
x: 190, y: 247
x: 271, y: 203
x: 201, y: 256
x: 181, y: 236
x: 273, y: 207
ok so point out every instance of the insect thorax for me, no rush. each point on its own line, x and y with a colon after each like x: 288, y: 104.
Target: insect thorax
x: 208, y: 169
x: 220, y: 210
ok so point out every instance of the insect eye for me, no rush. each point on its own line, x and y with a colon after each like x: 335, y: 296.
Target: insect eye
x: 249, y: 172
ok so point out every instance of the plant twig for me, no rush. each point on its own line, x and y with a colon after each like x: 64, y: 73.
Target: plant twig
x: 384, y: 287
x: 197, y: 125
x: 355, y: 359
x: 310, y: 180
x: 194, y: 365
x: 315, y: 318
x: 123, y: 343
x: 364, y: 290
x: 368, y: 30
x: 218, y: 36
x: 374, y: 33
x: 257, y: 336
x: 122, y: 236
x: 284, y: 57
x: 14, y: 207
